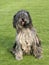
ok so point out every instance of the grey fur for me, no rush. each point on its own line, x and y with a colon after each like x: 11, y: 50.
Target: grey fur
x: 27, y: 41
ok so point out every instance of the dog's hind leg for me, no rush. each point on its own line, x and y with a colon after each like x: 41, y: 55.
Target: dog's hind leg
x: 13, y: 48
x: 36, y: 48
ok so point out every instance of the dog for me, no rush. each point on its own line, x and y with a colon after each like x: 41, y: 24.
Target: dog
x: 27, y: 40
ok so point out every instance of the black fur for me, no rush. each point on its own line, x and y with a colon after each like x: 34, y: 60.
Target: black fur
x: 22, y: 22
x: 17, y: 16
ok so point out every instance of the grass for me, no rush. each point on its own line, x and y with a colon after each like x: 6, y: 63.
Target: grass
x: 39, y: 11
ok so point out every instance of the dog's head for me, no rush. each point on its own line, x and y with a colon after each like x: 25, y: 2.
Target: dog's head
x: 22, y: 19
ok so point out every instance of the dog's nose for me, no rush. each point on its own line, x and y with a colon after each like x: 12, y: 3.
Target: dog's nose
x: 22, y: 19
x: 23, y: 22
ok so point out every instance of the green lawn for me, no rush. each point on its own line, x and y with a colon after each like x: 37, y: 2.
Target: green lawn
x: 39, y: 11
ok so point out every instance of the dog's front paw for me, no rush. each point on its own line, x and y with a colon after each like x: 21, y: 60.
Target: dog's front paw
x: 19, y: 55
x: 18, y: 58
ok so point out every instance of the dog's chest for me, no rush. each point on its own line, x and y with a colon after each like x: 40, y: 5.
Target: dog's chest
x: 25, y: 38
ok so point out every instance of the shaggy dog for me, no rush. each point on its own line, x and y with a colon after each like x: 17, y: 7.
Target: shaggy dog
x: 27, y: 40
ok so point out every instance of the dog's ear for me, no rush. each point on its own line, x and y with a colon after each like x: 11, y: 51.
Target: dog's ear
x: 29, y: 17
x: 14, y: 21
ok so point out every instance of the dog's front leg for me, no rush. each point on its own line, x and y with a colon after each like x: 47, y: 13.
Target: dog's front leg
x: 17, y: 51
